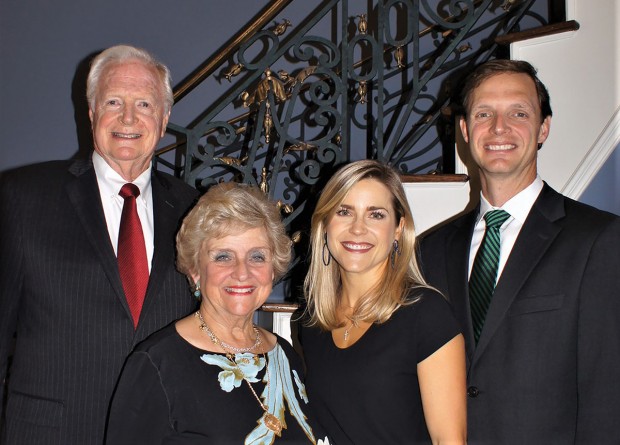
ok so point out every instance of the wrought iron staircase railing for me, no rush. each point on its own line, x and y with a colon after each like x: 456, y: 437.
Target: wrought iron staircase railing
x: 376, y: 84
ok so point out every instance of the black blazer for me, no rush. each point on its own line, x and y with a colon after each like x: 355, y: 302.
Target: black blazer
x: 547, y: 364
x: 61, y: 293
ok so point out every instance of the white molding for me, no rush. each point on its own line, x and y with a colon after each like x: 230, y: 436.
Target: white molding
x: 600, y: 151
x: 433, y: 203
x: 282, y: 325
x: 571, y: 9
x: 517, y: 48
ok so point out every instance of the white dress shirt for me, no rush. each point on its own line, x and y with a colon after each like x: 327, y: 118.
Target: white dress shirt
x: 110, y: 183
x: 518, y: 207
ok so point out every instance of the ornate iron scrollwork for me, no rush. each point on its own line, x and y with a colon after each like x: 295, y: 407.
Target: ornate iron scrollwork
x: 301, y: 104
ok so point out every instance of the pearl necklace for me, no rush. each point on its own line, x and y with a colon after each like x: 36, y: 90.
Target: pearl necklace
x: 271, y: 421
x: 204, y: 328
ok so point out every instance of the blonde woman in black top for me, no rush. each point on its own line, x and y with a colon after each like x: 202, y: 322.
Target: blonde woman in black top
x: 384, y: 355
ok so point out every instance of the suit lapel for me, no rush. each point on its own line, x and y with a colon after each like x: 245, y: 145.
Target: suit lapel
x: 165, y: 220
x: 458, y: 265
x: 537, y: 234
x: 83, y: 193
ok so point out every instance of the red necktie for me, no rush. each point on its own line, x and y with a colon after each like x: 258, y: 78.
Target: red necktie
x: 131, y: 252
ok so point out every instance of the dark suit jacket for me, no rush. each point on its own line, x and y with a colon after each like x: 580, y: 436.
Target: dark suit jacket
x: 61, y: 293
x: 547, y: 364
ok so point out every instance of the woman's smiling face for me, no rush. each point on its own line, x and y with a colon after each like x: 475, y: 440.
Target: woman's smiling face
x: 236, y: 273
x: 362, y: 230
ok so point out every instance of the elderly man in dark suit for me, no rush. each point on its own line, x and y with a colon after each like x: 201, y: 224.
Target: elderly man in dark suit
x: 86, y: 273
x: 534, y: 279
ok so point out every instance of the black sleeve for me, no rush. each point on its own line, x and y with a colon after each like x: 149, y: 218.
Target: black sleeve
x: 139, y: 413
x: 435, y: 324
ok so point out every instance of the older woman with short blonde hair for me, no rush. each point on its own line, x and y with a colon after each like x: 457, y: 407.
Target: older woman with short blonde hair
x: 214, y: 376
x: 232, y: 207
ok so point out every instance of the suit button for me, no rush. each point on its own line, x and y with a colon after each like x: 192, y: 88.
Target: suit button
x: 473, y: 392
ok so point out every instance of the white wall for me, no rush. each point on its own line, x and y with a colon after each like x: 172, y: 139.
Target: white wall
x: 581, y: 70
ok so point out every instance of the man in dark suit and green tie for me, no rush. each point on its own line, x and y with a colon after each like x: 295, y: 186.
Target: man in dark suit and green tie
x: 533, y: 277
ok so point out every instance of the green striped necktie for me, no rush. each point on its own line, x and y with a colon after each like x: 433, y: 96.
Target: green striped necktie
x: 484, y: 271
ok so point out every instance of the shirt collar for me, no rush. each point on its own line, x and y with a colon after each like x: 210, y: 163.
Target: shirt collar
x: 110, y: 182
x: 518, y: 206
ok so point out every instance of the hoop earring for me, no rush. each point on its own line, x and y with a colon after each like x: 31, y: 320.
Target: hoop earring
x: 326, y: 249
x: 197, y: 294
x: 395, y: 254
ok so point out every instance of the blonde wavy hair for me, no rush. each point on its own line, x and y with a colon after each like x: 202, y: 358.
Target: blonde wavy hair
x: 322, y: 284
x: 228, y: 209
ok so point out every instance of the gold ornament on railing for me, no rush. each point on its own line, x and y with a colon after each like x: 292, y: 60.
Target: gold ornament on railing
x: 233, y: 71
x: 302, y: 146
x: 245, y: 97
x: 228, y: 160
x: 296, y: 237
x: 285, y: 77
x: 285, y: 208
x: 269, y: 83
x: 281, y: 28
x: 362, y: 25
x: 399, y: 55
x: 264, y: 185
x: 267, y: 123
x: 464, y: 48
x: 508, y: 4
x: 362, y: 90
x: 301, y: 75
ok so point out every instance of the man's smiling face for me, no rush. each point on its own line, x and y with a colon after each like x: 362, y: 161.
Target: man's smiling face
x: 504, y: 127
x: 129, y: 117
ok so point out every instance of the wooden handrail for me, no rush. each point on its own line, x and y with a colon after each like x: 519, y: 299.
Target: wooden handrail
x: 434, y: 177
x: 280, y: 307
x: 227, y: 50
x: 555, y: 28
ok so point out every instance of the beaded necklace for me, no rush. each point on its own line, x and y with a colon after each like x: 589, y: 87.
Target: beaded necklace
x: 271, y: 421
x: 217, y: 341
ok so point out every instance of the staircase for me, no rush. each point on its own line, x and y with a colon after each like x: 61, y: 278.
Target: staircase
x: 305, y: 98
x: 299, y: 104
